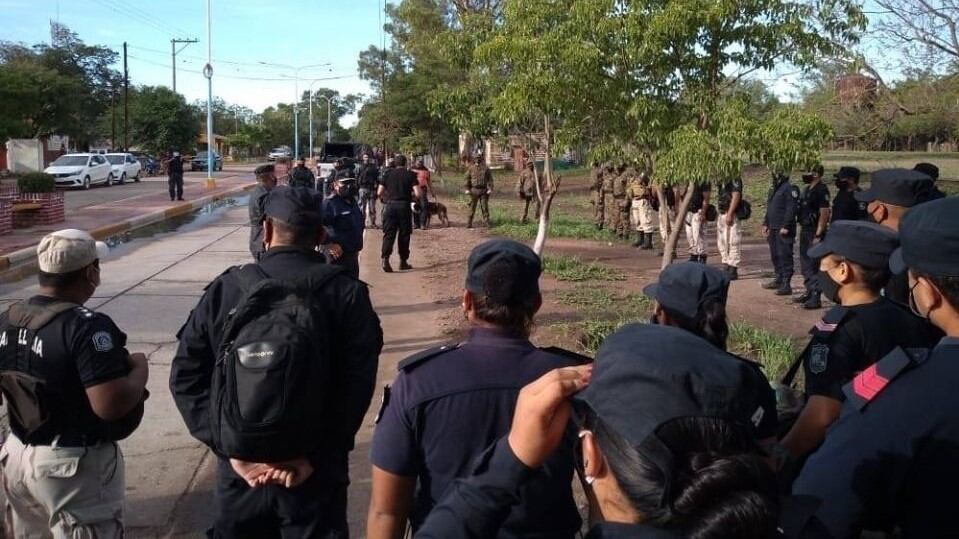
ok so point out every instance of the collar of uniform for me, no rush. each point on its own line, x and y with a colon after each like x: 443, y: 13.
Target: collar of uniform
x: 496, y: 336
x: 948, y: 341
x: 286, y: 250
x: 604, y: 530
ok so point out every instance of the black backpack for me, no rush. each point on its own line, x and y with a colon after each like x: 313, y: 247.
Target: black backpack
x: 272, y: 374
x: 744, y: 211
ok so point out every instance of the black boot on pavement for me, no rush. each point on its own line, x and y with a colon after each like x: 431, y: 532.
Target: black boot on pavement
x: 785, y: 289
x: 386, y: 266
x: 775, y: 284
x: 814, y: 302
x: 405, y: 266
x: 802, y: 298
x: 732, y: 272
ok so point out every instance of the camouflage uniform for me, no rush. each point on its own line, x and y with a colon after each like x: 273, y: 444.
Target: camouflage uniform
x: 621, y: 217
x: 597, y: 177
x: 643, y: 203
x: 479, y: 185
x: 526, y: 189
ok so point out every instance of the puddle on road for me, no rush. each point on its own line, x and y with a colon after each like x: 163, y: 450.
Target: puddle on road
x: 182, y: 223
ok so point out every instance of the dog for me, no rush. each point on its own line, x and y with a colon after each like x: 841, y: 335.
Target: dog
x: 435, y: 208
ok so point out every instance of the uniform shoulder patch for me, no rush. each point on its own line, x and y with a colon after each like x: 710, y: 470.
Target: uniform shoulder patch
x: 424, y: 356
x: 578, y: 359
x: 102, y: 341
x: 869, y: 383
x: 84, y: 313
x: 818, y: 358
x: 830, y: 321
x: 795, y: 192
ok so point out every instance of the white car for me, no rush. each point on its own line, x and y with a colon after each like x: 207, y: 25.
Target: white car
x: 81, y: 170
x: 280, y: 153
x: 125, y: 166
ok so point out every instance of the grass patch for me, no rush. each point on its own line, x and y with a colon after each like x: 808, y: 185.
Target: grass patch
x: 506, y: 222
x: 573, y: 269
x: 776, y: 352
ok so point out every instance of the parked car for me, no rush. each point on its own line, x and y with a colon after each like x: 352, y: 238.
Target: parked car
x: 81, y: 170
x: 200, y: 161
x: 281, y: 152
x: 125, y: 166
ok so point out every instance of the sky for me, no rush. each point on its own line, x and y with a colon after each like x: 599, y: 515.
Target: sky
x: 284, y: 34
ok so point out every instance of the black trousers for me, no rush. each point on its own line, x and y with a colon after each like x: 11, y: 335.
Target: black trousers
x: 781, y: 254
x: 314, y: 510
x: 397, y: 220
x: 351, y: 262
x: 175, y: 183
x: 808, y: 266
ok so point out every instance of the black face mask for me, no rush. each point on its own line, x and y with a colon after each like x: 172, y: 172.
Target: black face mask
x: 842, y: 185
x: 829, y: 287
x: 807, y: 179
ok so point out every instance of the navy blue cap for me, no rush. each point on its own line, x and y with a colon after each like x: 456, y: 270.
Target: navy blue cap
x: 297, y: 206
x: 505, y: 271
x: 861, y: 242
x: 897, y: 186
x: 646, y: 375
x: 929, y: 239
x: 682, y: 288
x: 848, y: 172
x: 264, y: 169
x: 928, y: 169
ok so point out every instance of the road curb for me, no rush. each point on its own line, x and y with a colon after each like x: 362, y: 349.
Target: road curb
x: 22, y: 262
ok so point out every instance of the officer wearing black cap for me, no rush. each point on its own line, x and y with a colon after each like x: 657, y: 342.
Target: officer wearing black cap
x: 779, y: 228
x: 845, y: 207
x: 692, y: 297
x: 933, y: 172
x: 448, y: 404
x: 249, y: 503
x: 397, y: 190
x: 890, y: 195
x: 813, y: 218
x: 343, y: 220
x: 860, y: 330
x: 890, y: 460
x: 301, y: 176
x: 665, y: 448
x: 265, y: 182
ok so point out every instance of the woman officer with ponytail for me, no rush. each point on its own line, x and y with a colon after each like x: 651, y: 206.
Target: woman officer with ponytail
x: 666, y: 443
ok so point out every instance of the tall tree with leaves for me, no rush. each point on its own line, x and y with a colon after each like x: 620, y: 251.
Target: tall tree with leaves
x: 160, y: 120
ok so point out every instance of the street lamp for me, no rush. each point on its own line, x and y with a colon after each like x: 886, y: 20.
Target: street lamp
x: 328, y: 106
x: 296, y: 101
x: 208, y: 73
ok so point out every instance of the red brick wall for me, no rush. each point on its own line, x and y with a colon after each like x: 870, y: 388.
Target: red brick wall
x: 3, y: 157
x: 51, y: 210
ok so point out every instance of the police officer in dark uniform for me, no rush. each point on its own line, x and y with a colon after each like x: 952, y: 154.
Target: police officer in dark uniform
x: 71, y: 390
x: 316, y: 507
x: 265, y: 182
x: 665, y: 451
x: 301, y: 176
x: 368, y: 179
x: 891, y: 193
x: 779, y: 227
x: 175, y: 177
x: 396, y: 192
x: 813, y: 217
x: 845, y: 207
x: 859, y: 331
x: 933, y: 172
x: 448, y: 404
x: 344, y: 226
x: 890, y: 460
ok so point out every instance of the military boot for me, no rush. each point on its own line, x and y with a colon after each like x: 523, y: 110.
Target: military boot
x: 802, y: 298
x: 639, y: 241
x: 814, y: 302
x: 405, y: 266
x: 648, y: 241
x: 733, y: 273
x: 386, y: 265
x: 702, y: 259
x: 785, y: 289
x: 775, y: 284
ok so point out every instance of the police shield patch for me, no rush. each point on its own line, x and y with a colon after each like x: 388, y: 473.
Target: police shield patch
x: 818, y: 358
x: 102, y: 341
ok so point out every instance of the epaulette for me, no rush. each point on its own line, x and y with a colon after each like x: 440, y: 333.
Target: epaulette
x: 83, y: 312
x: 425, y: 355
x: 578, y: 359
x: 869, y: 383
x: 830, y: 322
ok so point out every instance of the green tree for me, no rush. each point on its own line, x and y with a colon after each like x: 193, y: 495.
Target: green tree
x: 161, y: 119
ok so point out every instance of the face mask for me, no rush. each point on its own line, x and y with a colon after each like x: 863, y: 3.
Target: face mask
x: 830, y: 288
x: 807, y: 179
x: 913, y: 306
x: 842, y: 185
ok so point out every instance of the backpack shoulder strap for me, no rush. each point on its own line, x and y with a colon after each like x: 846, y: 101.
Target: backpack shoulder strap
x: 36, y: 317
x: 319, y: 275
x: 249, y: 275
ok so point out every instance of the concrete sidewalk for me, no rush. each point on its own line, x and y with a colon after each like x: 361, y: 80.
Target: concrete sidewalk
x: 110, y: 217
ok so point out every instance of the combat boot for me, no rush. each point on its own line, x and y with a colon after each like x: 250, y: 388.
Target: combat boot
x: 785, y: 289
x: 775, y: 284
x: 639, y: 241
x: 814, y: 302
x: 386, y: 265
x: 732, y: 272
x: 802, y: 298
x: 648, y: 241
x: 405, y: 266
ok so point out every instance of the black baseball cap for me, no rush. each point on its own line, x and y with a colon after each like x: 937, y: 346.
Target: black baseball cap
x: 296, y: 206
x: 646, y: 375
x: 847, y: 173
x: 816, y: 170
x: 929, y: 239
x: 897, y: 186
x: 861, y: 242
x: 264, y: 169
x: 928, y: 169
x: 682, y: 288
x: 505, y: 271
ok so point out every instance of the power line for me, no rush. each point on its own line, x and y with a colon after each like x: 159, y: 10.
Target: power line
x: 239, y: 77
x: 148, y: 21
x: 132, y: 8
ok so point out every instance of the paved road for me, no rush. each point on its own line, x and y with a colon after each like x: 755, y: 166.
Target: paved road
x: 99, y: 194
x: 149, y: 287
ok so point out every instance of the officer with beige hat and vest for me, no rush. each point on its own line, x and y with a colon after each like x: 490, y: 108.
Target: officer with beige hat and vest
x: 72, y: 390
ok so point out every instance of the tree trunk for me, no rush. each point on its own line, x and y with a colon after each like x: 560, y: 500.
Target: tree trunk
x: 678, y: 225
x: 552, y: 187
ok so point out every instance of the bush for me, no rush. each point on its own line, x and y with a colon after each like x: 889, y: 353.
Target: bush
x: 36, y: 182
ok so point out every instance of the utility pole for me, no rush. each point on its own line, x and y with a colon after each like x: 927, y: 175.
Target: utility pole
x: 113, y: 115
x: 208, y: 73
x: 173, y: 44
x: 126, y: 101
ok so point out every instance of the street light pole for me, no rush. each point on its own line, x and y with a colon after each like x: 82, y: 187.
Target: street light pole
x: 296, y: 102
x: 208, y: 73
